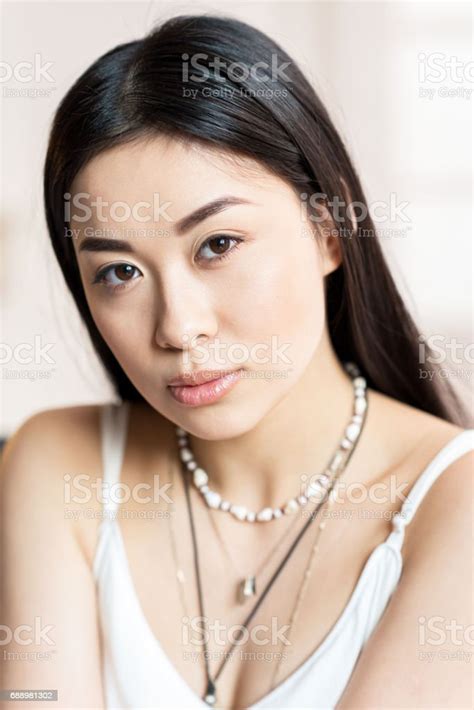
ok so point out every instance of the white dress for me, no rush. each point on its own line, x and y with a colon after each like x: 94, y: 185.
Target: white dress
x: 148, y: 679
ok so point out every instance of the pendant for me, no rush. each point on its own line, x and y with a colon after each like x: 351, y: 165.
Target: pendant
x: 247, y: 589
x: 210, y: 696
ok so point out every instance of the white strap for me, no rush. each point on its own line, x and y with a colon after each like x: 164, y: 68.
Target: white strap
x: 114, y: 421
x: 454, y: 449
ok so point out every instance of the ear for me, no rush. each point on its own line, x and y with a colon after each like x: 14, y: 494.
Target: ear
x: 326, y: 235
x: 330, y: 248
x: 330, y: 241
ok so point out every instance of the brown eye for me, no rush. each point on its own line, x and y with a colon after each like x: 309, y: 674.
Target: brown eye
x: 219, y: 247
x: 116, y: 275
x: 220, y: 244
x: 124, y: 271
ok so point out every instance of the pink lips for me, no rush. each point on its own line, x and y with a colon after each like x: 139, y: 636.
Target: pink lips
x: 207, y: 393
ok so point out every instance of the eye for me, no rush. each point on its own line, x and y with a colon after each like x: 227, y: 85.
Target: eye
x: 220, y: 245
x: 116, y: 276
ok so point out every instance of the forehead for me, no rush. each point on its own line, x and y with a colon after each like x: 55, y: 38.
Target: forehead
x: 187, y: 173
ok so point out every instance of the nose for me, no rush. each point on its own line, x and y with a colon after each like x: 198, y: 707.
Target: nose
x: 185, y: 318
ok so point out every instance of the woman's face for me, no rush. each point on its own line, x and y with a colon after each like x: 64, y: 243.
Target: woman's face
x: 258, y: 309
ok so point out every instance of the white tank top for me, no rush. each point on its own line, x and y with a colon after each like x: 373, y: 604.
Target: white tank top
x: 137, y: 673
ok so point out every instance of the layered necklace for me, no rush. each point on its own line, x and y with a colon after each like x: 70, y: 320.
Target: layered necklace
x: 318, y: 490
x: 313, y: 489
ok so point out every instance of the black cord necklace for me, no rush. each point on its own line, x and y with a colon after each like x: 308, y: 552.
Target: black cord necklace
x: 210, y: 694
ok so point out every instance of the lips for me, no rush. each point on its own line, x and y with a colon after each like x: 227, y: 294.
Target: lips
x: 193, y: 379
x: 210, y: 391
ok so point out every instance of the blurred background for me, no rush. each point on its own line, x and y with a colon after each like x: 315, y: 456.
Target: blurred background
x: 397, y: 79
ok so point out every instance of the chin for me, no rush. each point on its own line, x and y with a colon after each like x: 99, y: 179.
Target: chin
x: 213, y: 424
x: 236, y: 414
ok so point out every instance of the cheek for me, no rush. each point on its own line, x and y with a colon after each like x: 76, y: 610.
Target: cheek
x: 281, y: 300
x: 124, y: 333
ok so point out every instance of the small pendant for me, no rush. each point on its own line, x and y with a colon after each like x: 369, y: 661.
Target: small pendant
x: 210, y: 696
x: 247, y: 589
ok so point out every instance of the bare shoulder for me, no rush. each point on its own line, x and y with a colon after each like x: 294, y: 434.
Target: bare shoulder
x: 435, y: 589
x: 60, y: 425
x: 50, y: 442
x: 70, y: 438
x: 418, y: 438
x: 54, y: 460
x: 443, y: 519
x: 44, y: 561
x: 39, y: 459
x: 407, y: 430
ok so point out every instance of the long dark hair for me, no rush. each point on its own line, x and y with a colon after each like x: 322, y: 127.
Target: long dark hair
x: 272, y: 116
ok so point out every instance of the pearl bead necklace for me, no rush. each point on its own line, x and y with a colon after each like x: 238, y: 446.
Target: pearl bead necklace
x: 314, y: 489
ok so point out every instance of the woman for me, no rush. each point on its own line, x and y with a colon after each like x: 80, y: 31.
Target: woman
x: 238, y: 529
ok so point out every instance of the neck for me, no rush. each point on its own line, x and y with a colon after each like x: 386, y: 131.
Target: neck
x: 264, y: 466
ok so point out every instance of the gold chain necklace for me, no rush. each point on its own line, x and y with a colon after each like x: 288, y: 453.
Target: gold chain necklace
x: 303, y: 587
x: 180, y: 576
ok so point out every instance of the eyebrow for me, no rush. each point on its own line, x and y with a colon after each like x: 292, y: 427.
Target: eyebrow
x: 183, y: 225
x: 208, y: 210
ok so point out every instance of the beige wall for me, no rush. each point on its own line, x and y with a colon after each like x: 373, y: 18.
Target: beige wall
x: 364, y: 60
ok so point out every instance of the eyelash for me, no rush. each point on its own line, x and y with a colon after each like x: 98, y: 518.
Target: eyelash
x: 226, y: 255
x: 101, y: 275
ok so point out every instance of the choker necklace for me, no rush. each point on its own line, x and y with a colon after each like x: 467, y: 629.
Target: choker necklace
x: 313, y: 491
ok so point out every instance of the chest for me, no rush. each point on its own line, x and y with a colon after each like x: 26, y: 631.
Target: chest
x: 298, y: 614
